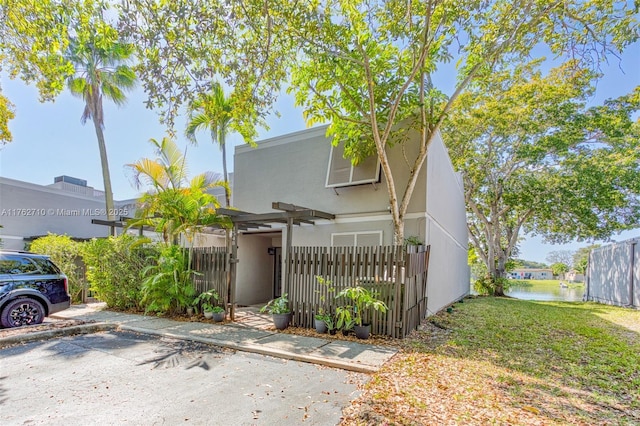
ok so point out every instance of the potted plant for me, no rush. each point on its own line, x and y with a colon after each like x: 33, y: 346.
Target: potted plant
x: 320, y: 322
x: 207, y: 300
x: 363, y: 299
x: 322, y: 317
x: 279, y: 310
x: 345, y: 319
x: 330, y: 323
x: 218, y: 313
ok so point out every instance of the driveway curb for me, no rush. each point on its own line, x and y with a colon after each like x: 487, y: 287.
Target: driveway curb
x: 261, y: 350
x: 245, y: 347
x: 49, y: 334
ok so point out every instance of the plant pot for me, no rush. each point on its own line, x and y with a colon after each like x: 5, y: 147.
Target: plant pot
x: 281, y: 321
x: 362, y: 331
x: 345, y: 332
x: 321, y: 327
x: 190, y: 310
x: 208, y: 314
x: 219, y: 316
x: 332, y: 332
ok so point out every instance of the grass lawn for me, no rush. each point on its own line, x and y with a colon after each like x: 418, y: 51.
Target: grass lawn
x: 509, y: 361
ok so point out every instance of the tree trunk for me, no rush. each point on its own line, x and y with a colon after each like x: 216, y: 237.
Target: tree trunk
x: 227, y: 191
x: 106, y: 177
x: 500, y: 274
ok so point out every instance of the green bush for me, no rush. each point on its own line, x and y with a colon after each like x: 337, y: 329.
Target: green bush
x: 168, y: 284
x: 488, y: 284
x: 65, y: 253
x: 115, y: 269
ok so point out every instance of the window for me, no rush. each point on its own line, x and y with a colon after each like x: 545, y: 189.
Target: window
x: 356, y: 239
x: 342, y: 173
x: 14, y: 265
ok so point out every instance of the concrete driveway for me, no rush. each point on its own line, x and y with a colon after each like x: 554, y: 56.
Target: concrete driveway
x: 128, y: 378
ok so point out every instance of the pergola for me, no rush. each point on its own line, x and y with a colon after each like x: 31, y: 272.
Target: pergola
x: 288, y: 215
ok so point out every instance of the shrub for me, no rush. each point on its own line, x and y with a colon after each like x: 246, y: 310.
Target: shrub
x: 65, y: 253
x: 487, y: 285
x: 115, y: 269
x: 168, y: 284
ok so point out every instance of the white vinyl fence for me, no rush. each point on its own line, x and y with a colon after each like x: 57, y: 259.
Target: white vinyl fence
x: 613, y: 274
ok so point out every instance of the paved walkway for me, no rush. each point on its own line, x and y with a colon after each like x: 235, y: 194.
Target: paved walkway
x: 248, y: 335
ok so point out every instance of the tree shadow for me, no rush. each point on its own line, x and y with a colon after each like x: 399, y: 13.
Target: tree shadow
x: 178, y: 353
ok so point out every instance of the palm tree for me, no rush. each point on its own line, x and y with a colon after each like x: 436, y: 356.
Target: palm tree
x: 101, y: 71
x: 175, y: 205
x: 213, y: 111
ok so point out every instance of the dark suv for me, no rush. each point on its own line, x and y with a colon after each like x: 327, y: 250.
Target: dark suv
x: 31, y: 288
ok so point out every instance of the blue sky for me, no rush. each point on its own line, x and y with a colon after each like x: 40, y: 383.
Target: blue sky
x: 49, y: 139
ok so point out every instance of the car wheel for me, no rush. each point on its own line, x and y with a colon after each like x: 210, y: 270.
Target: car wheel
x: 21, y: 312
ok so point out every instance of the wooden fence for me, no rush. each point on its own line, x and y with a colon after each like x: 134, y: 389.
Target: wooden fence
x: 398, y: 275
x: 211, y: 265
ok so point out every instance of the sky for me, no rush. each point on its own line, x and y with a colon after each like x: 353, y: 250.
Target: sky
x: 49, y: 139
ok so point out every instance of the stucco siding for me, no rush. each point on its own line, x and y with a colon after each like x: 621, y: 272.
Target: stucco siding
x: 613, y: 275
x: 293, y: 169
x: 447, y: 233
x: 30, y: 210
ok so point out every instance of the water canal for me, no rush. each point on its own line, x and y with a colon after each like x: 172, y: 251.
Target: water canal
x: 549, y: 290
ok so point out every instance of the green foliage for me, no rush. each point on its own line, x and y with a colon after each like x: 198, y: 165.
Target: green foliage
x: 115, y: 269
x: 529, y: 264
x: 535, y: 159
x: 491, y: 286
x: 278, y: 305
x: 35, y: 37
x: 99, y: 59
x: 168, y: 285
x: 330, y: 321
x: 213, y: 111
x: 174, y: 206
x: 581, y: 258
x: 7, y: 113
x: 345, y: 317
x: 326, y: 288
x: 364, y: 67
x: 208, y: 300
x: 184, y: 46
x: 66, y: 254
x: 559, y: 268
x: 362, y: 300
x: 413, y: 241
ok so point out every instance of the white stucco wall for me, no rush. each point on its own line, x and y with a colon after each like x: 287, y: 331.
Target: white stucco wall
x: 446, y: 229
x: 613, y: 276
x: 254, y: 273
x: 28, y: 210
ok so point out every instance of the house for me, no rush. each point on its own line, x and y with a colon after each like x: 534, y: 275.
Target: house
x: 67, y: 206
x: 304, y: 169
x: 531, y: 274
x: 574, y: 276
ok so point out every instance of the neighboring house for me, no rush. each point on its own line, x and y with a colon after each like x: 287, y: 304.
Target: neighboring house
x: 574, y: 276
x: 531, y: 274
x: 67, y: 206
x: 304, y: 169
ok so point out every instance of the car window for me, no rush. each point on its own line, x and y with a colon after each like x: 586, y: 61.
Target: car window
x: 12, y: 264
x: 46, y: 266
